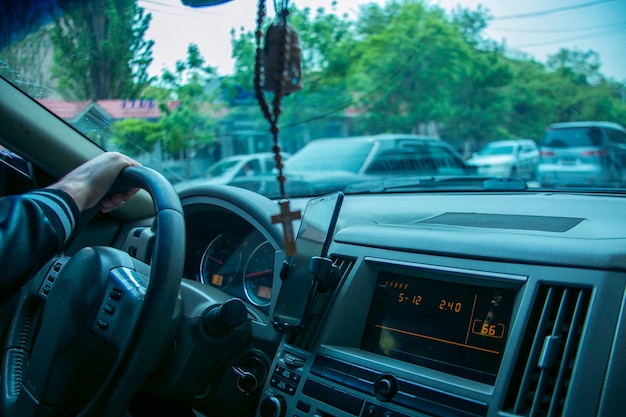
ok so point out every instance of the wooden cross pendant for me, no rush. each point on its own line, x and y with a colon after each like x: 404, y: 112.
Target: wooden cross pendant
x: 286, y: 217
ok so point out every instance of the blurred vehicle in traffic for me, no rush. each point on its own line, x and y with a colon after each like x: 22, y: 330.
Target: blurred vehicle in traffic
x: 583, y: 154
x: 507, y: 158
x: 331, y: 164
x: 225, y: 170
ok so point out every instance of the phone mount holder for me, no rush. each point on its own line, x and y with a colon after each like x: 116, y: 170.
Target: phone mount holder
x: 323, y: 271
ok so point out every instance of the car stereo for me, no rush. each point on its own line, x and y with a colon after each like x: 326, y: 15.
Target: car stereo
x: 457, y: 328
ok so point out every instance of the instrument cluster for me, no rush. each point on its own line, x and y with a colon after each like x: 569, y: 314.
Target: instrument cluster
x: 228, y: 253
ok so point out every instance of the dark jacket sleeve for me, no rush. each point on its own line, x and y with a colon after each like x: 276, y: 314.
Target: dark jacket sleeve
x: 33, y: 228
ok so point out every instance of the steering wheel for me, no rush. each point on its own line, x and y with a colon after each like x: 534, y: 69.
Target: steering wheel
x: 90, y: 328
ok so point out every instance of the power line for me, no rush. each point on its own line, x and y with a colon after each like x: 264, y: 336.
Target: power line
x: 563, y: 30
x: 572, y: 38
x: 551, y: 11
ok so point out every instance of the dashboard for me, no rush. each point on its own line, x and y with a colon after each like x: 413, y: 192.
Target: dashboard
x: 449, y: 304
x: 508, y: 305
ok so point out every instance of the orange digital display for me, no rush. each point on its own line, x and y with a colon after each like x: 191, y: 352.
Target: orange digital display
x: 264, y: 292
x: 456, y: 328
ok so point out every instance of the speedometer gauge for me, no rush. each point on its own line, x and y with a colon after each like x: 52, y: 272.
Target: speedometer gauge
x: 221, y: 261
x: 258, y: 275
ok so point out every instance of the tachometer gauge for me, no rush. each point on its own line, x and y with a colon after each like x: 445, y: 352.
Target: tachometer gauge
x: 221, y: 261
x: 258, y: 275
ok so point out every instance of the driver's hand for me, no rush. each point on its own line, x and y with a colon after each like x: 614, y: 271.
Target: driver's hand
x: 89, y: 182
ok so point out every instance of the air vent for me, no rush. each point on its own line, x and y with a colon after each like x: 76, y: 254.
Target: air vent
x: 543, y: 370
x: 341, y: 268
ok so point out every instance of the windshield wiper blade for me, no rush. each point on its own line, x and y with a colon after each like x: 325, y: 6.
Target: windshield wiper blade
x: 432, y: 183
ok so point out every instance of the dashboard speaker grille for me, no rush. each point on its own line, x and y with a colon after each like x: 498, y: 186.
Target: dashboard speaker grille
x: 544, y: 366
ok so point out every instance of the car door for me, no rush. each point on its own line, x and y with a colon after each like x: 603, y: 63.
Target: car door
x: 528, y: 156
x: 617, y: 140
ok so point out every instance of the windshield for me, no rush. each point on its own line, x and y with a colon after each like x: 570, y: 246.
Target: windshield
x: 181, y: 88
x: 572, y: 137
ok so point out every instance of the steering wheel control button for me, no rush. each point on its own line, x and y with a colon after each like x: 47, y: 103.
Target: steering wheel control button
x: 109, y: 309
x: 51, y: 276
x: 121, y: 302
x: 116, y: 294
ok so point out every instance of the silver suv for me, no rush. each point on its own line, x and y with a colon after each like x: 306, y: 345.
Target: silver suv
x: 583, y: 154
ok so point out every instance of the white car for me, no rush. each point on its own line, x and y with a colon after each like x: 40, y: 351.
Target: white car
x: 507, y: 158
x: 229, y: 168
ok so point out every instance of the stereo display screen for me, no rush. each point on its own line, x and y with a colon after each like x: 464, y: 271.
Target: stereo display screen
x: 455, y: 328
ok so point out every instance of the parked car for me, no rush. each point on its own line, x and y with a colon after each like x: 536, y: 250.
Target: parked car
x: 507, y: 158
x: 332, y: 164
x: 583, y: 154
x: 225, y: 170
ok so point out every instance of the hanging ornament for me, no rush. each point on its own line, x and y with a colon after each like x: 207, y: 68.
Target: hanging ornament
x: 282, y: 45
x: 277, y: 70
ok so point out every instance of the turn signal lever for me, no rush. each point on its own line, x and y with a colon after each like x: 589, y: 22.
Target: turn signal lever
x: 218, y: 321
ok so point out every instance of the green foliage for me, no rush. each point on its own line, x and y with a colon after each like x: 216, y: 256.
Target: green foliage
x: 409, y: 66
x: 191, y: 123
x: 100, y: 51
x: 187, y: 120
x: 326, y: 41
x: 406, y: 65
x: 136, y: 136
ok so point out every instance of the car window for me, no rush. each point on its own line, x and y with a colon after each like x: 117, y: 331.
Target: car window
x: 268, y: 164
x: 617, y: 136
x: 221, y: 167
x: 447, y: 163
x: 572, y: 137
x: 416, y: 160
x: 336, y: 155
x: 250, y: 168
x: 420, y: 161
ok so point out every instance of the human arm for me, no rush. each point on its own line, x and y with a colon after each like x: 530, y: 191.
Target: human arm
x: 35, y: 225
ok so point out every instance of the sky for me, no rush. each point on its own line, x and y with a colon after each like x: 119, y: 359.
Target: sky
x: 535, y: 28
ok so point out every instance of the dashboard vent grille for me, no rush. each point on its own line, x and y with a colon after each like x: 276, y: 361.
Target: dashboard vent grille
x: 343, y: 266
x: 542, y: 374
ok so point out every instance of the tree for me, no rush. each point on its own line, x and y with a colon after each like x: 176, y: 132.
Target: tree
x: 136, y: 136
x: 481, y: 107
x: 409, y: 63
x: 100, y: 50
x: 532, y: 100
x: 190, y: 125
x: 581, y: 67
x: 326, y: 41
